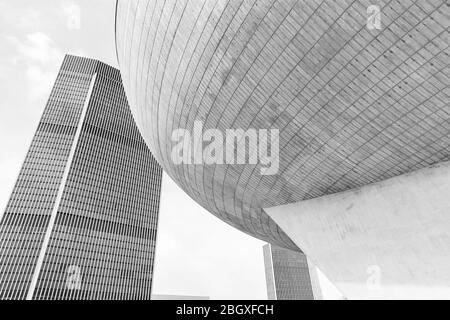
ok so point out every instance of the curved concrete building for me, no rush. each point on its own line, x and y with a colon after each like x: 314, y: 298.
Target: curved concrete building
x: 359, y: 94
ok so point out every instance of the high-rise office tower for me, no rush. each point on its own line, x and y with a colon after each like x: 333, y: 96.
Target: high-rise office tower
x: 81, y: 220
x: 289, y: 276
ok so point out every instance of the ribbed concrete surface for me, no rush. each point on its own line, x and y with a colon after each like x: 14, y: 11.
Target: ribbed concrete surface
x: 353, y: 105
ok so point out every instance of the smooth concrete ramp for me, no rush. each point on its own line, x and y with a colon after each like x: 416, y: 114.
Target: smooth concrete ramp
x: 388, y: 240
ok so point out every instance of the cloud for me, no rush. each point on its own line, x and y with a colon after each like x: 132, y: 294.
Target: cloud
x: 72, y: 12
x: 42, y: 58
x: 30, y: 19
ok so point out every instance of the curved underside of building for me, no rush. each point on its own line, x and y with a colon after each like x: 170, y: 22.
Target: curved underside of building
x: 353, y: 105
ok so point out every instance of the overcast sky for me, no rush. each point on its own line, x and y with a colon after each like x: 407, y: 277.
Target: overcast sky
x: 197, y: 254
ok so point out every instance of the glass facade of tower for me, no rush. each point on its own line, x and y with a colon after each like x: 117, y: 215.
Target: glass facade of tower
x: 81, y: 220
x: 289, y: 276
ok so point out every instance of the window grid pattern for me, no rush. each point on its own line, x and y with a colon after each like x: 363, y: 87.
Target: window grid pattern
x: 103, y: 240
x: 288, y: 275
x: 354, y: 106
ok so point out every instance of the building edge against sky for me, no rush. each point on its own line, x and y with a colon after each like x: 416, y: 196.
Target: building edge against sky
x: 82, y: 217
x: 362, y: 113
x: 289, y: 275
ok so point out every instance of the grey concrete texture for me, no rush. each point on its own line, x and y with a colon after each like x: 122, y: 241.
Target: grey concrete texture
x: 387, y: 240
x: 353, y: 105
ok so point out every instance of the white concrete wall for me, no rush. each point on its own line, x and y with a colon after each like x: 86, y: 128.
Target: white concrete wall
x: 386, y: 240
